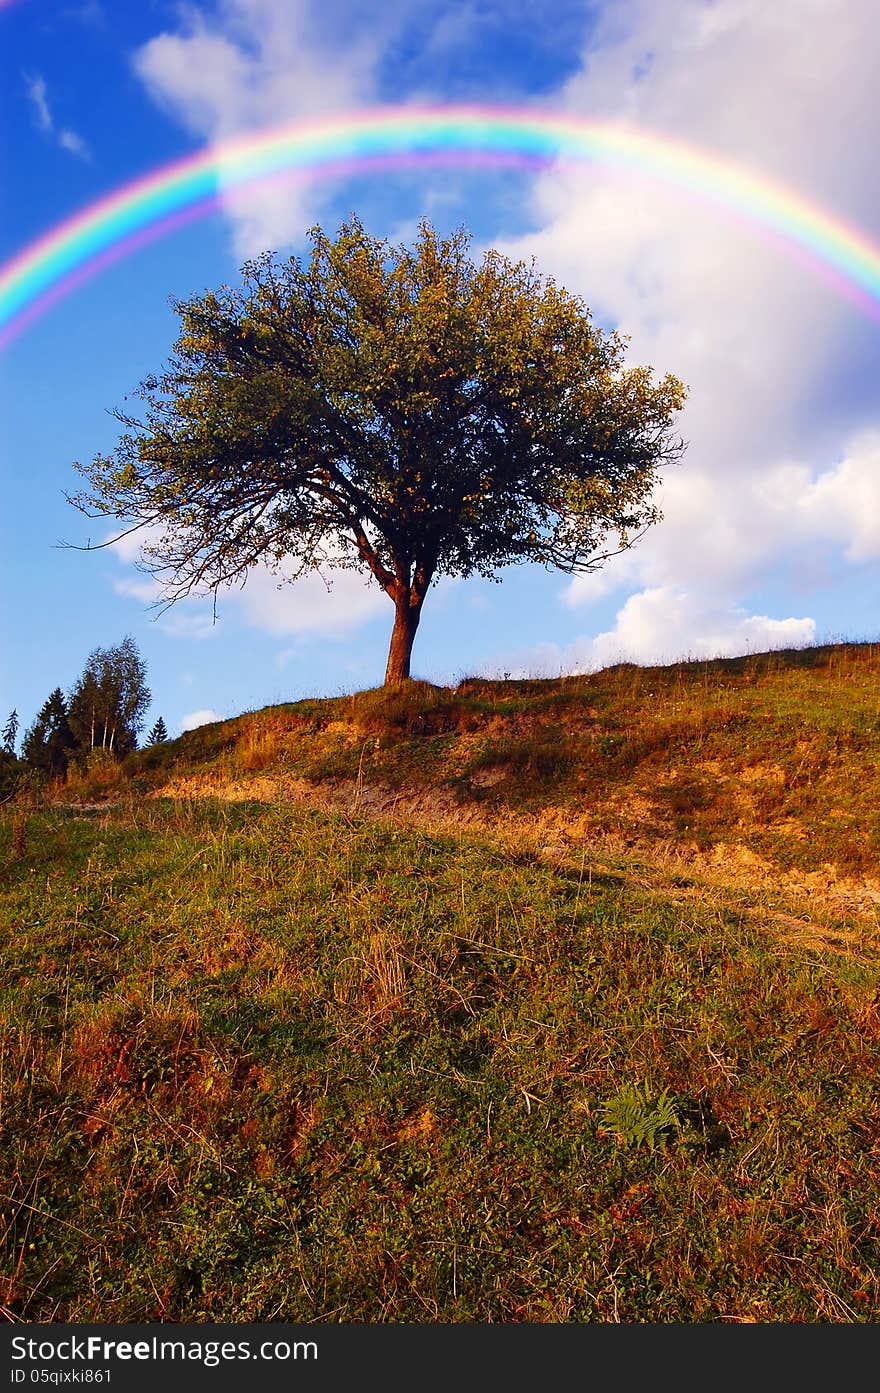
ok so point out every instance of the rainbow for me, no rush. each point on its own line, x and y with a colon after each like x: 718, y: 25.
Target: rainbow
x: 157, y: 203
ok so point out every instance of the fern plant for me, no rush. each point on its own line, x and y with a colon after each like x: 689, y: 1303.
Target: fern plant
x: 636, y: 1117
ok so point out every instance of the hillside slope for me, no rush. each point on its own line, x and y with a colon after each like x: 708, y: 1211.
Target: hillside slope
x: 601, y: 1044
x: 758, y: 767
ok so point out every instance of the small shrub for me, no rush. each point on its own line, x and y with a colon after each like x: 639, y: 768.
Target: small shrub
x: 97, y: 776
x: 12, y: 771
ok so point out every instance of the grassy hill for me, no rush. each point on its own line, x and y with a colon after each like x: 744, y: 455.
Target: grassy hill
x: 537, y: 1001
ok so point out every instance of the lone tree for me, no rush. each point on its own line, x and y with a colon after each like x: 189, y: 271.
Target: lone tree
x: 109, y: 701
x: 403, y: 410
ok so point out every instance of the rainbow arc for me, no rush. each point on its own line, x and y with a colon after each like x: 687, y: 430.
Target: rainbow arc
x: 154, y: 205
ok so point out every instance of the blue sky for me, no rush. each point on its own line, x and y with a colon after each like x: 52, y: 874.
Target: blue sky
x: 772, y: 522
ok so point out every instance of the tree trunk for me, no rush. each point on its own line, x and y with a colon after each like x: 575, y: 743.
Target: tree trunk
x: 406, y: 621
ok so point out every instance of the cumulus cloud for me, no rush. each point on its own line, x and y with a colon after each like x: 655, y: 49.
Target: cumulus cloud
x: 198, y: 718
x: 843, y: 503
x: 787, y: 88
x: 786, y: 514
x: 250, y: 65
x: 663, y: 625
x: 698, y: 291
x: 38, y: 96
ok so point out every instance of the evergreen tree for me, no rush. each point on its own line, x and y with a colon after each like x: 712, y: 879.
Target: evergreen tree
x: 159, y: 734
x: 10, y: 731
x: 49, y: 743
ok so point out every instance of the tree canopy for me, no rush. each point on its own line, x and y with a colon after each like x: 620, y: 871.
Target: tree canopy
x: 403, y: 410
x: 110, y: 699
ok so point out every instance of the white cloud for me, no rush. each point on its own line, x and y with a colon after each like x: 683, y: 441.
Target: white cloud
x: 255, y: 64
x: 198, y: 718
x: 843, y: 503
x: 663, y: 625
x: 147, y: 591
x: 38, y: 96
x: 308, y: 607
x: 69, y: 140
x: 726, y: 533
x: 269, y: 600
x: 189, y: 618
x: 788, y: 88
x: 129, y: 545
x: 39, y: 100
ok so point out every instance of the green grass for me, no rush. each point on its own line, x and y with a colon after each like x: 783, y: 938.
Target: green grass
x: 263, y: 1063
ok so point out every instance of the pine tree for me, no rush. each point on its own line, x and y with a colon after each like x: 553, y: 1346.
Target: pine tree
x: 49, y: 742
x: 11, y: 767
x: 10, y: 731
x: 159, y: 734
